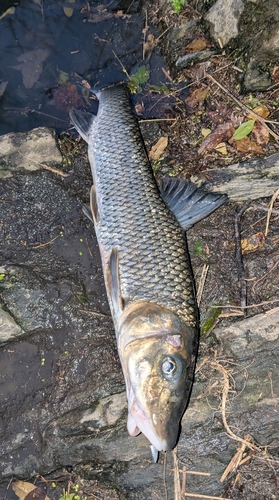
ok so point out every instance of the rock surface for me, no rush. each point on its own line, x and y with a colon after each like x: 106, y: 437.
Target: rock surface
x: 27, y: 150
x: 223, y: 18
x: 62, y: 394
x: 248, y: 180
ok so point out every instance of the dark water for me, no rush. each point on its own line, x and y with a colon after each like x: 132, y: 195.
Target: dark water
x: 47, y: 47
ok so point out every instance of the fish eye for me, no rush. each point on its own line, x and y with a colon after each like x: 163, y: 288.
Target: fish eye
x: 171, y: 367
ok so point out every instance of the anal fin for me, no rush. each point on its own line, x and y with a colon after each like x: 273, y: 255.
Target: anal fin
x: 189, y: 203
x: 113, y: 283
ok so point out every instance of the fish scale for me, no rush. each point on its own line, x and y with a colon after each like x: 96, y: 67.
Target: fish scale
x: 134, y: 218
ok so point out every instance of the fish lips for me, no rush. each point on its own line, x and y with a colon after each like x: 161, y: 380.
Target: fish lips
x: 162, y: 435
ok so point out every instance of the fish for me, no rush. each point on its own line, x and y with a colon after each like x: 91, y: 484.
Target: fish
x: 140, y: 228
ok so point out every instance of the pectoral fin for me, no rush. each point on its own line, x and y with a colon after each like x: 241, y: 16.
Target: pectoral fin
x: 113, y: 283
x: 189, y: 203
x: 82, y: 121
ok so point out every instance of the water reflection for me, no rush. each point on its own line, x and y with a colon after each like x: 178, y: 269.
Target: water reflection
x: 46, y: 43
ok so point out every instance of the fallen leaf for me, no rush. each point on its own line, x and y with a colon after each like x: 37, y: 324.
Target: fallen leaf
x: 262, y: 111
x: 243, y: 130
x: 275, y: 74
x: 222, y: 148
x: 3, y: 86
x: 196, y: 45
x: 31, y: 66
x: 158, y: 148
x: 28, y: 491
x: 246, y: 145
x: 253, y: 243
x: 221, y: 134
x: 149, y: 45
x: 261, y: 133
x: 197, y: 96
x: 205, y: 132
x: 10, y: 10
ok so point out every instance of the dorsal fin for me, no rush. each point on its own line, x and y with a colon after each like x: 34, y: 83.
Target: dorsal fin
x: 82, y: 121
x: 113, y: 283
x: 189, y: 203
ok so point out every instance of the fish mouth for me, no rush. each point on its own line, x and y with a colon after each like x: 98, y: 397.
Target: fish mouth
x: 138, y: 422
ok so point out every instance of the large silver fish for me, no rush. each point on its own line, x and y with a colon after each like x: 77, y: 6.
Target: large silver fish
x: 141, y: 234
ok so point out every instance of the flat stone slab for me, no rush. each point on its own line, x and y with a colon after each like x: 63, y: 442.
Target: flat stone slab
x: 28, y: 150
x: 244, y: 181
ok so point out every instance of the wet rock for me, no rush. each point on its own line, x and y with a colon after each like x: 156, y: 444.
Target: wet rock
x: 62, y: 394
x: 26, y: 150
x: 223, y: 19
x: 256, y: 79
x: 251, y: 27
x: 9, y: 329
x: 194, y: 57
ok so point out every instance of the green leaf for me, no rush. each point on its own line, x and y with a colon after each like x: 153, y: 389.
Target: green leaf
x: 243, y: 130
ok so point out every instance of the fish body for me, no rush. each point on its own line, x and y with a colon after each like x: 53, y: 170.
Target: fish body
x: 148, y: 276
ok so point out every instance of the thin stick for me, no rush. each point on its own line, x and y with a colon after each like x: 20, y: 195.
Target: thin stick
x: 196, y: 495
x: 264, y: 303
x: 45, y: 244
x: 54, y: 170
x: 239, y: 260
x: 244, y: 108
x: 276, y: 194
x: 202, y: 282
x: 183, y: 487
x: 177, y: 489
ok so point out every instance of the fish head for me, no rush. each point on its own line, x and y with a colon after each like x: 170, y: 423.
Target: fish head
x: 157, y: 351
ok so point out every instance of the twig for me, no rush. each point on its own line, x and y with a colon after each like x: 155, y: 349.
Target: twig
x: 158, y: 120
x: 264, y: 303
x: 225, y: 393
x: 53, y: 170
x: 202, y: 282
x: 177, y: 489
x: 144, y: 36
x: 183, y: 487
x: 247, y: 111
x: 239, y: 260
x: 196, y: 495
x: 264, y: 209
x: 236, y: 459
x: 276, y: 194
x: 45, y: 244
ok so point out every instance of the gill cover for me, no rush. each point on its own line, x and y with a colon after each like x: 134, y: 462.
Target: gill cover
x: 157, y: 352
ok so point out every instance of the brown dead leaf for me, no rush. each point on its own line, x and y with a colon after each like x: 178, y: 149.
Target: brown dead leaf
x: 158, y: 148
x: 149, y: 45
x: 28, y: 491
x: 222, y: 148
x: 196, y: 45
x: 253, y: 243
x: 262, y: 111
x: 247, y: 145
x: 197, y: 96
x: 31, y: 66
x: 221, y: 134
x: 275, y: 74
x: 261, y: 133
x: 139, y: 108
